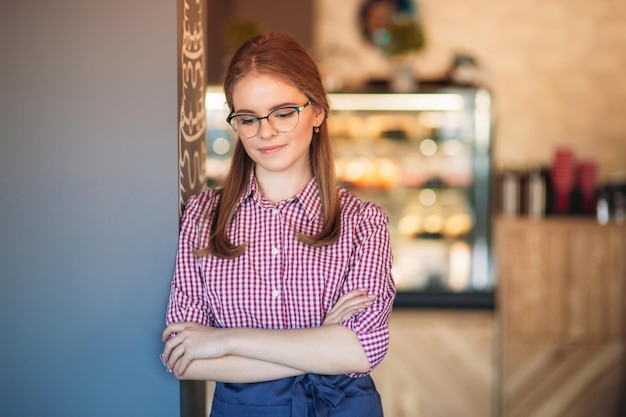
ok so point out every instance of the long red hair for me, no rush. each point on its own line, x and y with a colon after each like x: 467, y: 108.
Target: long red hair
x: 277, y: 55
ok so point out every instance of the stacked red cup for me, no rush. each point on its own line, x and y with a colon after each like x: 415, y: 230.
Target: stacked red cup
x: 563, y: 179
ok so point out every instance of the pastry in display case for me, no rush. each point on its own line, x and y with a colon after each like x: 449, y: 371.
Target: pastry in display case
x: 426, y: 159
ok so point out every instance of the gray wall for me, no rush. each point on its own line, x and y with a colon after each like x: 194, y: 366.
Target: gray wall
x: 88, y: 206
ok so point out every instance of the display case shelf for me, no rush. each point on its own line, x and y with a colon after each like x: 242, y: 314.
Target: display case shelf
x: 426, y: 159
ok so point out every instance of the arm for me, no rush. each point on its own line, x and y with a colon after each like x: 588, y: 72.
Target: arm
x: 370, y: 267
x: 226, y: 354
x: 251, y: 355
x: 235, y: 369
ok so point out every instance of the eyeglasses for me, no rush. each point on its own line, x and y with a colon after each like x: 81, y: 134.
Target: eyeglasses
x: 284, y: 120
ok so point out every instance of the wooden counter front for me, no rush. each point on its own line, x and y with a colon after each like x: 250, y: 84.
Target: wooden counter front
x: 441, y: 363
x: 562, y: 317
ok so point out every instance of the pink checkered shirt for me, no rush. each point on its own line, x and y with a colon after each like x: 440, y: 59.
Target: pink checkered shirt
x: 279, y: 282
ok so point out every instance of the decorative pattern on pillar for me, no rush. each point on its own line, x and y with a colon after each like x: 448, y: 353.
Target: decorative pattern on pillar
x: 191, y: 90
x: 191, y: 143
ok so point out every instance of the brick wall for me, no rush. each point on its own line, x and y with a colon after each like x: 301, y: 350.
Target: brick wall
x: 557, y: 67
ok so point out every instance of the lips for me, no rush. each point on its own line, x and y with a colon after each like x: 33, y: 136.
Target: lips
x: 271, y: 149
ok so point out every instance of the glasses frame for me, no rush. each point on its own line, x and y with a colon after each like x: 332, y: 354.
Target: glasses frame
x: 298, y: 109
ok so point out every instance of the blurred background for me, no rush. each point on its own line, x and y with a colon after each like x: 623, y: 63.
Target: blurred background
x: 556, y: 68
x: 507, y: 212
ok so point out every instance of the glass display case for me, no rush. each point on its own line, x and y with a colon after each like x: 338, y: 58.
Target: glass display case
x: 426, y: 159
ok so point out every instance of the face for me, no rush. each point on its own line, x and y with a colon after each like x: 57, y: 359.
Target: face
x: 276, y: 152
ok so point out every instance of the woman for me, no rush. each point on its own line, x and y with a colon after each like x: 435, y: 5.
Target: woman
x: 282, y: 290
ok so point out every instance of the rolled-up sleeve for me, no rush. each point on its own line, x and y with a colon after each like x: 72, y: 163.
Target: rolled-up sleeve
x: 188, y: 301
x: 371, y: 268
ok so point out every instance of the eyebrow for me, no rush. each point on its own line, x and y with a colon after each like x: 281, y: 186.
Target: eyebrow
x: 278, y: 106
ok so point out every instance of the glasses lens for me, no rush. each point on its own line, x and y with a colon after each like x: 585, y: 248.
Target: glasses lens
x: 246, y: 125
x: 284, y: 120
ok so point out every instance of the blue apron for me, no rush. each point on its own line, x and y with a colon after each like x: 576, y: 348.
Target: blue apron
x: 307, y: 395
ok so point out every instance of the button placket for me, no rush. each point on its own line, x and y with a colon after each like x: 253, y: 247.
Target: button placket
x: 275, y: 254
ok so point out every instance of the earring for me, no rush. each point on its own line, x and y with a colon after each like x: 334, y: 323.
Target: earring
x: 316, y: 129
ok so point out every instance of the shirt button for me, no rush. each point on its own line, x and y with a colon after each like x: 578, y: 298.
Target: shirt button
x: 275, y: 212
x: 274, y: 251
x: 275, y: 293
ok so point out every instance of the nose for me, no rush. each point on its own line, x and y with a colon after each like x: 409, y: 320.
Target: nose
x: 265, y: 129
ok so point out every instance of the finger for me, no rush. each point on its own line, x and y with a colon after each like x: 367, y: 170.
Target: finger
x: 176, y: 338
x: 170, y: 345
x: 355, y: 302
x: 352, y: 307
x: 340, y: 315
x: 180, y: 351
x: 180, y: 359
x: 349, y: 304
x: 347, y: 298
x: 181, y: 365
x: 346, y: 314
x: 174, y: 328
x: 175, y: 356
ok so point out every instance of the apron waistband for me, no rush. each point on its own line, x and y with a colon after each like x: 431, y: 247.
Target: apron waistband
x: 308, y: 395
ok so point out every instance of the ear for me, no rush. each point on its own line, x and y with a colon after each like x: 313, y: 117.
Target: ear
x: 318, y: 114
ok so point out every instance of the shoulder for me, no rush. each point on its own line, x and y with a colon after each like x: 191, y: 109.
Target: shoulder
x: 202, y: 205
x: 356, y: 210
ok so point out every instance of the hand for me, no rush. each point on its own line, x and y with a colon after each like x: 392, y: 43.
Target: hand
x: 185, y: 342
x: 349, y: 304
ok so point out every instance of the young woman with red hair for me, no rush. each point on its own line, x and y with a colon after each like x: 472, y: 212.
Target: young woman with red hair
x: 282, y: 290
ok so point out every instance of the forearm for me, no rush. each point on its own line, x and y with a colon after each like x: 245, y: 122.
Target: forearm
x: 195, y: 351
x: 329, y: 350
x: 236, y: 369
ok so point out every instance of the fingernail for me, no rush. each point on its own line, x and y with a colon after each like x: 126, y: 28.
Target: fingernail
x: 372, y: 296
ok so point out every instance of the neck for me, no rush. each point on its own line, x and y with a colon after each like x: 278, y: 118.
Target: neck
x: 277, y: 187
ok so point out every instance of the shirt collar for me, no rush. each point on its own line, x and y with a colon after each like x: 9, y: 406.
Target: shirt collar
x: 252, y: 190
x: 308, y: 197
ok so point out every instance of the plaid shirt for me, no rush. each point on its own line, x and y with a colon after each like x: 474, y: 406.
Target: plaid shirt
x: 279, y: 282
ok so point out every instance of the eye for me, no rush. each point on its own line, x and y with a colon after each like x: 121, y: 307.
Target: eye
x: 285, y: 113
x: 246, y: 119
